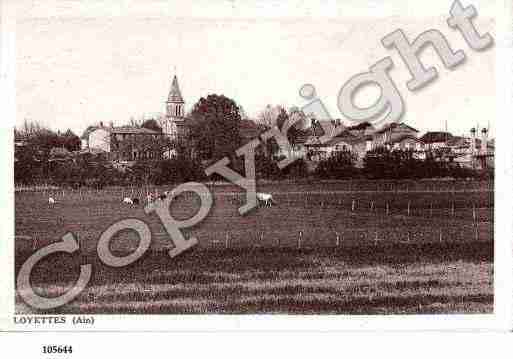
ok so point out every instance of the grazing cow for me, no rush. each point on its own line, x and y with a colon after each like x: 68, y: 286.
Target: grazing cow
x: 51, y: 200
x: 127, y: 200
x: 135, y: 200
x: 265, y: 198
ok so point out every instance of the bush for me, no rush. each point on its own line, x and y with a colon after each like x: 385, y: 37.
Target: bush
x: 339, y: 165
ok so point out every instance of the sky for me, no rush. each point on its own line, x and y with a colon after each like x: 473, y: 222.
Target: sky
x: 82, y: 62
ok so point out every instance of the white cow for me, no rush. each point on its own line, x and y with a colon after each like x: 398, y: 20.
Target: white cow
x: 51, y: 200
x: 127, y: 200
x: 266, y: 198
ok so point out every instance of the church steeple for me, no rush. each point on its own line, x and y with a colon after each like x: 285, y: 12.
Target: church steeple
x: 175, y: 96
x: 175, y: 110
x: 175, y: 102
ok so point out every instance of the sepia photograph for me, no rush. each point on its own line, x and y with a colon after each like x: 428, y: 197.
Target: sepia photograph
x: 253, y: 158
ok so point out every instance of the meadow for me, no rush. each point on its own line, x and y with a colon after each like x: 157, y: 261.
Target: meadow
x: 352, y: 247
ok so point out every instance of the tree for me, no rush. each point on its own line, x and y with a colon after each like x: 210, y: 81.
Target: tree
x: 268, y: 115
x: 339, y: 165
x: 133, y: 122
x: 398, y: 164
x: 71, y: 141
x: 146, y: 146
x: 152, y: 124
x: 277, y: 116
x: 293, y: 132
x: 214, y: 131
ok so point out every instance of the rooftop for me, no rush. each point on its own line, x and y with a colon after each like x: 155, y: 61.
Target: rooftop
x: 436, y: 136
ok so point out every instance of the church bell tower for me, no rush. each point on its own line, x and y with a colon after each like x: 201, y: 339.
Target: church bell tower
x: 175, y: 111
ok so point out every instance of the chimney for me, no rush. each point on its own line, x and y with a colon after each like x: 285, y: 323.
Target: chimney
x: 101, y: 124
x: 484, y: 141
x: 473, y: 141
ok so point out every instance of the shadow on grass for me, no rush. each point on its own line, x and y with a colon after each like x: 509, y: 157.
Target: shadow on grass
x: 197, y: 265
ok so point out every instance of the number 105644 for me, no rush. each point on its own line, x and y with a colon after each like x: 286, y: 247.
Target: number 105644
x: 57, y: 349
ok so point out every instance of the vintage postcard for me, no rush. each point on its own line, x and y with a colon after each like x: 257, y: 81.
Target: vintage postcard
x: 257, y: 164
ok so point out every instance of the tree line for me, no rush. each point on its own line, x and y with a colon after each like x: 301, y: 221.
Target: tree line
x: 213, y: 133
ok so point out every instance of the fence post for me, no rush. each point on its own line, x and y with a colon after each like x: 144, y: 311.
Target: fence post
x: 353, y: 206
x: 440, y: 235
x: 452, y: 209
x: 431, y: 209
x: 388, y: 209
x: 300, y: 237
x: 226, y: 241
x: 474, y: 212
x: 408, y: 208
x: 372, y: 206
x: 338, y: 239
x: 476, y: 233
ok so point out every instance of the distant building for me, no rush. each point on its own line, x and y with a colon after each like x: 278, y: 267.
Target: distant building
x: 111, y: 140
x: 435, y: 139
x: 390, y: 134
x: 318, y: 151
x: 472, y: 152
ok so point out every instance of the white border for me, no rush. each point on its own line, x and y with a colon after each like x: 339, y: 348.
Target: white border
x: 501, y: 320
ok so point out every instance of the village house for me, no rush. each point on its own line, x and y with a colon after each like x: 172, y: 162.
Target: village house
x: 435, y: 140
x: 111, y: 140
x: 393, y: 133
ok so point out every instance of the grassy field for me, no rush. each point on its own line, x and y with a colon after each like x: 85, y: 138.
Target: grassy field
x: 337, y: 247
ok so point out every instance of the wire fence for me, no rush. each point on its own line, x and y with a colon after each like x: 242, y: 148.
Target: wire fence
x: 300, y: 219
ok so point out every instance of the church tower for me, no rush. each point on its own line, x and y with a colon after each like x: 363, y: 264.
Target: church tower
x: 175, y: 111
